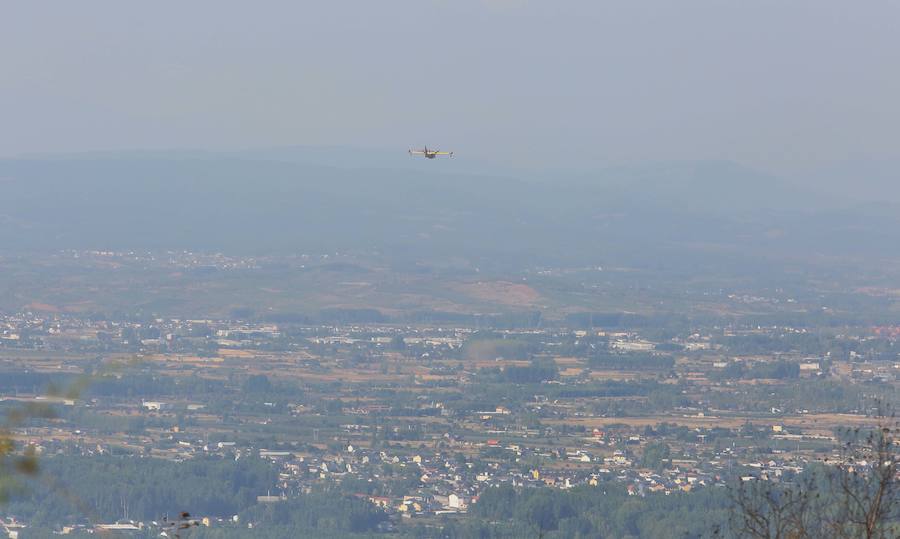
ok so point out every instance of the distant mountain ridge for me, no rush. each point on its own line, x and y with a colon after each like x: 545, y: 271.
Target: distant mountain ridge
x: 248, y: 203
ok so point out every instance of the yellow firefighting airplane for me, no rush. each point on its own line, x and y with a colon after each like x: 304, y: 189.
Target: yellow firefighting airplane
x: 429, y: 154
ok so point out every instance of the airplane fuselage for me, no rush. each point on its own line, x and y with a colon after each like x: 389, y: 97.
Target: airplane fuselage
x: 430, y: 154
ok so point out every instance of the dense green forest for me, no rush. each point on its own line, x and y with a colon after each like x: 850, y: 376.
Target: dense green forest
x: 88, y: 490
x: 82, y: 489
x: 106, y: 488
x: 604, y: 511
x: 503, y: 512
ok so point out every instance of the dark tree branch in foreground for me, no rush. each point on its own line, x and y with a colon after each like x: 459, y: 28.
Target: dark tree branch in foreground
x: 853, y: 498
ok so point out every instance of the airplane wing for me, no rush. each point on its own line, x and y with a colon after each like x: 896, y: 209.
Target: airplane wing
x: 443, y: 153
x: 417, y: 152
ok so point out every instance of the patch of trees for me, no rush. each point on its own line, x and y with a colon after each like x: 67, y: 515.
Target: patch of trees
x: 804, y: 343
x: 152, y: 385
x: 777, y: 370
x: 149, y: 488
x: 603, y: 511
x: 815, y: 394
x: 606, y: 388
x: 257, y: 383
x: 32, y: 381
x: 329, y: 316
x: 632, y: 362
x: 655, y: 455
x: 316, y: 514
x: 540, y: 370
x: 624, y: 320
x: 530, y: 319
x: 351, y: 316
x: 489, y: 347
x: 289, y: 318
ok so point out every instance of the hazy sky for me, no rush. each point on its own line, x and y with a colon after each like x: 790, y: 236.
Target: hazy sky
x: 771, y: 83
